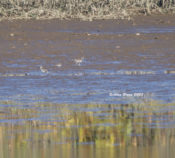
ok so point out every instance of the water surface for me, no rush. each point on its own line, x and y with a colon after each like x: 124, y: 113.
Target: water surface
x: 76, y: 91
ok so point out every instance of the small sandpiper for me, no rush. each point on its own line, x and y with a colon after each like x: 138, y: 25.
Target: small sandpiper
x: 79, y: 61
x: 43, y: 69
x: 59, y: 65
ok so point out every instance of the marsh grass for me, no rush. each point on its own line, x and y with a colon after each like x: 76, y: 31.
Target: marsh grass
x: 99, y: 124
x: 82, y: 9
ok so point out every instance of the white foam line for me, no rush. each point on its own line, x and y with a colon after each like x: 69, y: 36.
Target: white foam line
x: 14, y: 75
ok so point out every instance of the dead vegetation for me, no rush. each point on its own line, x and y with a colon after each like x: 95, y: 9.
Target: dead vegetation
x: 83, y: 9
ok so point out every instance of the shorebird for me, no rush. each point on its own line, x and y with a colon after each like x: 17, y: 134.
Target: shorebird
x: 79, y: 61
x: 59, y: 65
x: 43, y: 69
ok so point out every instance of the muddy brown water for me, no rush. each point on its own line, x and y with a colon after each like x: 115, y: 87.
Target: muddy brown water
x: 102, y: 89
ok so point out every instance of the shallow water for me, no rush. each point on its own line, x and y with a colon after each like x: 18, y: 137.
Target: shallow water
x: 134, y: 30
x: 87, y: 70
x: 84, y: 91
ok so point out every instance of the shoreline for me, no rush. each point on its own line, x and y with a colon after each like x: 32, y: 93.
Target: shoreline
x: 163, y: 20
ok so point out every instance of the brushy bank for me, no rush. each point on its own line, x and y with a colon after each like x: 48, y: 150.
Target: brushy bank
x: 83, y: 9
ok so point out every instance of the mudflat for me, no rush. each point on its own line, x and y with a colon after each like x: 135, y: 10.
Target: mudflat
x: 120, y: 56
x: 71, y: 88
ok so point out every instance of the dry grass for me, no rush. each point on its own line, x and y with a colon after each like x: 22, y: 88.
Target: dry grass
x: 83, y: 9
